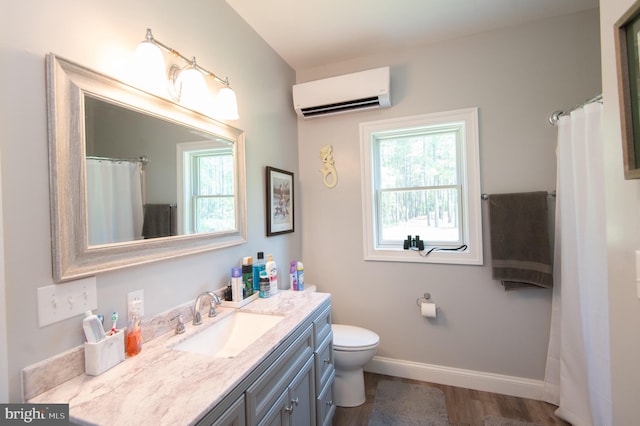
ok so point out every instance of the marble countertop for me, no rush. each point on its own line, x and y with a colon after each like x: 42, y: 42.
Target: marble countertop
x: 165, y: 386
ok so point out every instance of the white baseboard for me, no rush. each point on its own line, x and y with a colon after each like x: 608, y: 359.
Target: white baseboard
x: 477, y: 380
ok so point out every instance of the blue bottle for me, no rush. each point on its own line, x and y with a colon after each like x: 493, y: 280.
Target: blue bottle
x: 258, y: 266
x: 265, y: 285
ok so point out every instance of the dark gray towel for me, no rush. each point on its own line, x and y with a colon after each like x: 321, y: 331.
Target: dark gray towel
x: 159, y: 220
x: 520, y: 249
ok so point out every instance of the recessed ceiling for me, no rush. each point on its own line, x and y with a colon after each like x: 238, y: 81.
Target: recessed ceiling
x: 309, y: 33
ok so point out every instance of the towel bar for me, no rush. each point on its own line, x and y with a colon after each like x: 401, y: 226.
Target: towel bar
x: 485, y: 196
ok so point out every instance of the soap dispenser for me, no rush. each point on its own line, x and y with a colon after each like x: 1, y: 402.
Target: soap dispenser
x: 134, y: 329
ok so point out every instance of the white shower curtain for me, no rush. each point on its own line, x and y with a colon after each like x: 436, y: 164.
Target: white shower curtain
x: 578, y: 377
x: 114, y: 201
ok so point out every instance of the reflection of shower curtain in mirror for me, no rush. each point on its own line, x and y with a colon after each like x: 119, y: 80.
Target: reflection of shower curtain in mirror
x: 114, y: 201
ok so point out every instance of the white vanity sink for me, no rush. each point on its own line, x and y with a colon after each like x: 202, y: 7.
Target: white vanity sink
x: 230, y: 335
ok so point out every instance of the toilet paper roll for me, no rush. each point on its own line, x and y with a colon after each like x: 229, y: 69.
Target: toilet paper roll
x: 428, y: 309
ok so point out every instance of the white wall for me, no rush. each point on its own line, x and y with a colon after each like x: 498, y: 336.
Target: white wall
x: 517, y: 77
x: 103, y: 36
x: 623, y: 236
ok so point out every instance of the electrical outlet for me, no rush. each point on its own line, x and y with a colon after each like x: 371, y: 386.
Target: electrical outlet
x: 136, y: 296
x: 61, y: 301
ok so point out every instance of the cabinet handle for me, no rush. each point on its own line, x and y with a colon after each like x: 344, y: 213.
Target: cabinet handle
x: 329, y: 403
x: 327, y: 361
x: 291, y: 408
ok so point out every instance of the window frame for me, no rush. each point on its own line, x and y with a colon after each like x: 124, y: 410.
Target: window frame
x: 470, y: 197
x: 187, y: 153
x: 194, y: 183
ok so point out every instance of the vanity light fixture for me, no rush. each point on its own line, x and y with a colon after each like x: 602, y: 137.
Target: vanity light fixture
x: 187, y: 85
x: 150, y: 65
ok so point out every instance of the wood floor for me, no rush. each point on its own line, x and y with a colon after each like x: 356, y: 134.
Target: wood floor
x: 465, y: 407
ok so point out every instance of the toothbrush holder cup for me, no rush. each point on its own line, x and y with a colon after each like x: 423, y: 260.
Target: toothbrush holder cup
x: 101, y: 356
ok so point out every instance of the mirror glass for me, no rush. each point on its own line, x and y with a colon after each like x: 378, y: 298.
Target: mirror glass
x: 148, y: 177
x: 136, y: 178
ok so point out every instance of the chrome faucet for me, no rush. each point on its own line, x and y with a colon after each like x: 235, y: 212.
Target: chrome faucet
x: 215, y: 300
x: 180, y: 328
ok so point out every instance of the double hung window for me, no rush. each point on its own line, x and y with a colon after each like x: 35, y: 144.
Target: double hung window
x: 208, y: 188
x: 421, y: 179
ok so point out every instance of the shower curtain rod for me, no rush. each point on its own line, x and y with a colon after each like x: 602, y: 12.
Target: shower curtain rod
x: 555, y: 116
x: 142, y: 159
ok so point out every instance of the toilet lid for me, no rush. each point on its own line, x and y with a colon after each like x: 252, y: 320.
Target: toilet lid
x: 350, y: 337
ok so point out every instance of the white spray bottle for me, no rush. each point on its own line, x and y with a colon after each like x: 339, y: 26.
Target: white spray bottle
x: 272, y: 271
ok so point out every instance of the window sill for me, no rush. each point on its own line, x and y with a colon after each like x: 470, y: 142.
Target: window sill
x: 466, y: 257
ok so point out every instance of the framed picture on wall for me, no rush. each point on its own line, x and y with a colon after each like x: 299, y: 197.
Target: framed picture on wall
x: 627, y: 42
x: 280, y: 216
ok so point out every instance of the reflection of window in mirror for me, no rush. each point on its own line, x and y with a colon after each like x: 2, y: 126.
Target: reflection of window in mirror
x: 209, y: 187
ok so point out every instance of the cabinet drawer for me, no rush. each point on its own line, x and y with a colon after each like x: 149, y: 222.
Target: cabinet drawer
x: 262, y: 394
x: 322, y: 326
x: 325, y: 408
x: 324, y: 362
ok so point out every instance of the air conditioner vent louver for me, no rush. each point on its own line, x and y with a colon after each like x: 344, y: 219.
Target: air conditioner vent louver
x: 345, y: 93
x: 371, y: 102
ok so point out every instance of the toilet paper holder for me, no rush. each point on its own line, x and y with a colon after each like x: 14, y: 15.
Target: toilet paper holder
x: 423, y: 299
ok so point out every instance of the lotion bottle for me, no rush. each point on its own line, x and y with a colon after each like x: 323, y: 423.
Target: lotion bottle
x: 272, y: 272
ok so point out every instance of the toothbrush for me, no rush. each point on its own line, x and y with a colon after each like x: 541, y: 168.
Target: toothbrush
x: 114, y: 318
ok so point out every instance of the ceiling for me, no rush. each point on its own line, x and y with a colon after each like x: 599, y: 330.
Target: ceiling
x: 309, y: 33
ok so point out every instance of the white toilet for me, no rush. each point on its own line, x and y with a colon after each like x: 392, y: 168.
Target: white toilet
x: 353, y: 347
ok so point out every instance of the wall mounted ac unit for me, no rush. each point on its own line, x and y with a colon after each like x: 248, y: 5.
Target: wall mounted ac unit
x: 344, y: 93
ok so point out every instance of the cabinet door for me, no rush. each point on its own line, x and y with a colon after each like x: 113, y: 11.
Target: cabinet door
x: 324, y: 362
x: 325, y: 408
x: 233, y: 416
x: 278, y: 415
x: 262, y: 394
x: 302, y: 397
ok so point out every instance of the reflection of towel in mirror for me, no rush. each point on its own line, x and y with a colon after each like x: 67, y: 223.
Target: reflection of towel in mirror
x: 159, y: 220
x: 520, y: 249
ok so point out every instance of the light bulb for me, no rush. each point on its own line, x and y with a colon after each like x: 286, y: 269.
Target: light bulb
x: 227, y: 104
x: 150, y: 67
x: 192, y: 87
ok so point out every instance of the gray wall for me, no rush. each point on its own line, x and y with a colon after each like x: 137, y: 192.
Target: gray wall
x: 516, y: 77
x: 103, y: 36
x: 623, y: 236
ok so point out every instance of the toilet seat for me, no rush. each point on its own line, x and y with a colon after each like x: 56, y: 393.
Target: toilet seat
x: 349, y: 338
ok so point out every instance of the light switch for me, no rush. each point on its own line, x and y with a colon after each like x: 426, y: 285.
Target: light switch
x: 61, y: 301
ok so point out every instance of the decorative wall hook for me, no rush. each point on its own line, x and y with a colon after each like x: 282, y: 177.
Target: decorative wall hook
x: 328, y: 170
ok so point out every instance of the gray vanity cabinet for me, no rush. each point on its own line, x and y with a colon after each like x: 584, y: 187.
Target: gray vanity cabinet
x: 295, y: 405
x: 324, y: 368
x: 293, y: 386
x: 284, y: 377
